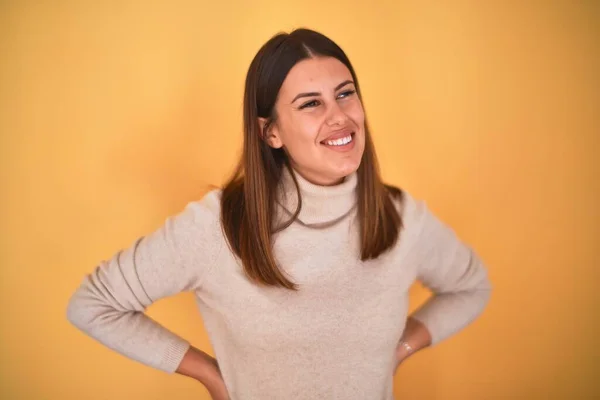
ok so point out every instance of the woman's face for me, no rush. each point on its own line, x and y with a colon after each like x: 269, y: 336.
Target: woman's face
x: 320, y: 121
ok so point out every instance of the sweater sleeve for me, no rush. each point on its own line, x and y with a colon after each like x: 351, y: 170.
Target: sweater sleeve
x: 110, y: 302
x: 452, y: 270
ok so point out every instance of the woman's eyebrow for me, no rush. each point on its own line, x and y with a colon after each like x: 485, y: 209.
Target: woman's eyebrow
x: 311, y: 94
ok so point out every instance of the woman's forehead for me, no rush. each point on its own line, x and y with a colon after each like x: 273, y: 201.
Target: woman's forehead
x: 315, y: 74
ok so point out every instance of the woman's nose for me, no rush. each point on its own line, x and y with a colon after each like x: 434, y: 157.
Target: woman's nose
x: 336, y: 116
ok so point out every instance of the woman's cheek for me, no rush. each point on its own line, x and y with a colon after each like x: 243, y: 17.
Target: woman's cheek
x: 310, y: 130
x: 356, y: 112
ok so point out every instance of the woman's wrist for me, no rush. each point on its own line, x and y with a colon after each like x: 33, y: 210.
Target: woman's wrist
x: 200, y: 366
x: 406, y: 347
x: 416, y: 336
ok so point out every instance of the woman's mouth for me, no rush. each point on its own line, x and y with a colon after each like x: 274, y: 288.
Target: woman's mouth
x: 341, y: 144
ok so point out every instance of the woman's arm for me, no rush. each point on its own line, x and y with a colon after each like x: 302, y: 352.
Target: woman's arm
x: 416, y: 336
x: 198, y: 365
x: 110, y: 303
x: 202, y: 367
x: 453, y: 272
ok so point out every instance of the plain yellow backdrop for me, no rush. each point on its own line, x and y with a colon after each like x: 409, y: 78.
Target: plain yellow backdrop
x: 115, y: 114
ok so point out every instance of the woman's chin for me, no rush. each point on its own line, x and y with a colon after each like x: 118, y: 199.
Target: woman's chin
x: 347, y: 168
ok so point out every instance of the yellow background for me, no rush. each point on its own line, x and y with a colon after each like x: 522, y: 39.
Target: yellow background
x: 115, y: 114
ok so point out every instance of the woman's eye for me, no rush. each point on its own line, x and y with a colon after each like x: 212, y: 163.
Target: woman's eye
x: 314, y: 103
x: 309, y: 104
x: 346, y: 93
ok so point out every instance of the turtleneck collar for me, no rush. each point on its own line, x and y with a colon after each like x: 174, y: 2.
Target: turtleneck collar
x: 321, y: 205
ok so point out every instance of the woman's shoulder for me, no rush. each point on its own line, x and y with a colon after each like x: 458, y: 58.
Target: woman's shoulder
x: 211, y: 199
x: 205, y: 209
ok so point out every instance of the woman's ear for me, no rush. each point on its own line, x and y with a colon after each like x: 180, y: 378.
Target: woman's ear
x: 269, y: 133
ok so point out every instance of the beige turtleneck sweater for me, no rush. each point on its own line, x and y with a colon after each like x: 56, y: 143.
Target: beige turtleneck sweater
x: 333, y: 339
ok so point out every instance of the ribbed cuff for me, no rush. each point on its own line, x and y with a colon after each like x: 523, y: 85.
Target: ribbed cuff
x: 174, y: 355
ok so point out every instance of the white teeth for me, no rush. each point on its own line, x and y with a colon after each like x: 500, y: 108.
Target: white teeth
x: 339, y: 142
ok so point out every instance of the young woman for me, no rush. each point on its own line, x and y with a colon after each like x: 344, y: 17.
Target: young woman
x: 302, y: 263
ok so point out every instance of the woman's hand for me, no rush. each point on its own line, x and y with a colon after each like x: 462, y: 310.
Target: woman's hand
x: 416, y: 336
x: 202, y: 367
x: 216, y: 386
x: 402, y: 353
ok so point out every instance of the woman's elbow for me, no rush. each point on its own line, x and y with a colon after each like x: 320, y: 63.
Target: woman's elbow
x: 76, y: 310
x: 483, y: 290
x: 84, y: 309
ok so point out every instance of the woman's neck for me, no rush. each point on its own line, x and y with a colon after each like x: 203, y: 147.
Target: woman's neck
x: 321, y: 204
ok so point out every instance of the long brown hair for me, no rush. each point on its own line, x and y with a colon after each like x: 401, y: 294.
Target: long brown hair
x: 248, y: 198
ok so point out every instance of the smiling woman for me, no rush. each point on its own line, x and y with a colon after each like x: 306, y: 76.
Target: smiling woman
x: 329, y: 117
x: 303, y: 113
x: 301, y: 264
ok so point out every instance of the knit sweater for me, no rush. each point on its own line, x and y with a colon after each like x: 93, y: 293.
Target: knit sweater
x: 334, y: 338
